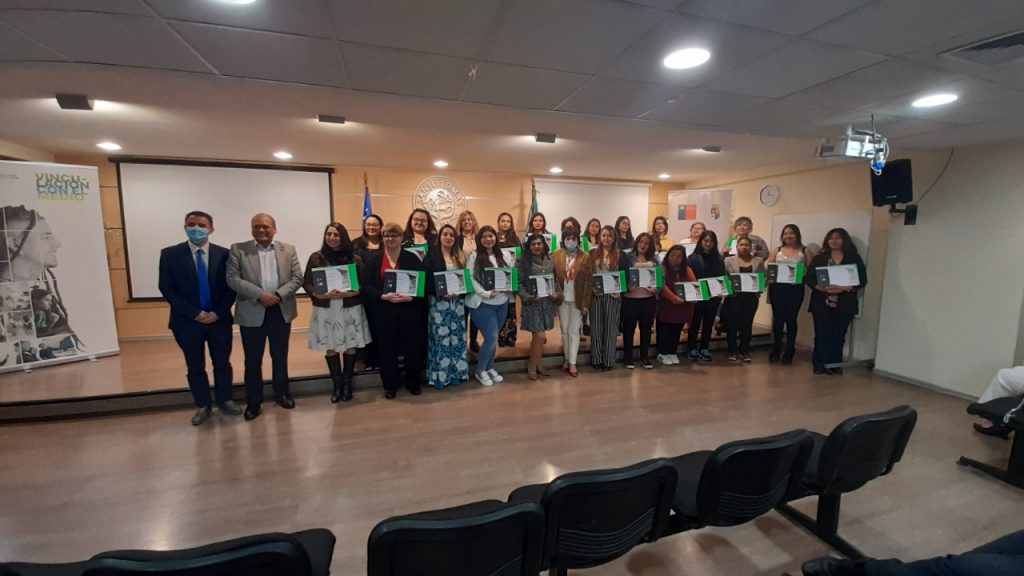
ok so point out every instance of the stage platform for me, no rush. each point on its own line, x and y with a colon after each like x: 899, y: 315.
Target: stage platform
x: 150, y: 374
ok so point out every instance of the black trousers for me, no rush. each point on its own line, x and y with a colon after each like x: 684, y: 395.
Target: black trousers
x: 668, y: 337
x: 637, y: 311
x: 254, y: 340
x: 193, y: 342
x: 829, y: 337
x: 369, y: 353
x: 400, y: 332
x: 703, y: 322
x: 786, y: 300
x: 738, y: 316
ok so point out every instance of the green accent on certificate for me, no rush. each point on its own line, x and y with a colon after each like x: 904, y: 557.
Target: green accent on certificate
x: 542, y: 285
x: 786, y: 272
x: 501, y: 279
x: 404, y: 282
x: 453, y: 282
x: 609, y: 282
x: 718, y: 286
x: 652, y: 278
x: 747, y: 282
x: 511, y: 254
x: 340, y: 278
x: 691, y: 291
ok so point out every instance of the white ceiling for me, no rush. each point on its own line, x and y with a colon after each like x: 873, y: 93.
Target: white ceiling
x: 467, y: 80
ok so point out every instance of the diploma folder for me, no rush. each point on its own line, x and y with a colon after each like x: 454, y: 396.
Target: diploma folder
x: 646, y: 277
x: 609, y: 282
x: 691, y: 291
x: 751, y: 282
x: 786, y: 272
x: 326, y: 278
x: 501, y: 279
x: 404, y: 282
x: 841, y: 275
x: 453, y: 282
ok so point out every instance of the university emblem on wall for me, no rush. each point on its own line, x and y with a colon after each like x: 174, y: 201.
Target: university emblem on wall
x: 441, y: 197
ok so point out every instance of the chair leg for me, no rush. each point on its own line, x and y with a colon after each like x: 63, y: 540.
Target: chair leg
x: 826, y: 526
x: 1014, y: 472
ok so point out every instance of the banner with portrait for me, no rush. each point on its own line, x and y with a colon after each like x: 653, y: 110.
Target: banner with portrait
x: 55, y: 300
x: 712, y: 207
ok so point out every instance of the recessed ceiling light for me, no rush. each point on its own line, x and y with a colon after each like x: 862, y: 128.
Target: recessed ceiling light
x: 236, y: 1
x: 934, y: 100
x: 328, y: 119
x: 712, y: 149
x: 686, y: 58
x: 440, y: 164
x: 282, y: 155
x: 555, y: 170
x: 664, y: 175
x: 109, y: 146
x: 547, y: 138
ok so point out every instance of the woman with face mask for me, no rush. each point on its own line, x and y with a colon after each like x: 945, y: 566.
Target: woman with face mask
x: 569, y: 260
x: 338, y: 326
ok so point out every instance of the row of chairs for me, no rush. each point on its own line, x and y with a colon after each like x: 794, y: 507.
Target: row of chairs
x: 578, y: 520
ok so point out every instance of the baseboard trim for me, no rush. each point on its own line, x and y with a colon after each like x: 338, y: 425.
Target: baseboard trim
x: 925, y: 385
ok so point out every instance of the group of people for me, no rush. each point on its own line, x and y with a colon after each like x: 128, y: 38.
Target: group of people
x: 433, y: 333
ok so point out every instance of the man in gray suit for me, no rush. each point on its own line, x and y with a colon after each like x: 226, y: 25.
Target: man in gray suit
x: 265, y: 275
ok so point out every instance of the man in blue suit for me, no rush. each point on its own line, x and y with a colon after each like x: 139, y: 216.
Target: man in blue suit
x: 193, y: 281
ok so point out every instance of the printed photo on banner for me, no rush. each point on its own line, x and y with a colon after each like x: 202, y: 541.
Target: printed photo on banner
x: 711, y: 207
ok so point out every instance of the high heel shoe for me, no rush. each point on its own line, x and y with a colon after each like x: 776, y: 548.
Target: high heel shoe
x: 573, y: 371
x: 541, y: 371
x: 531, y: 371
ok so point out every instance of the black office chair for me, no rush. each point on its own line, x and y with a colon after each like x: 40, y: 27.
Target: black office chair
x: 489, y: 538
x: 857, y: 451
x: 737, y: 482
x: 306, y: 553
x: 596, y: 516
x: 1008, y: 413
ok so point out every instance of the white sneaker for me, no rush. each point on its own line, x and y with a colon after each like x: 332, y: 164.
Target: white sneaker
x: 495, y: 377
x: 485, y: 379
x: 665, y: 359
x: 675, y: 358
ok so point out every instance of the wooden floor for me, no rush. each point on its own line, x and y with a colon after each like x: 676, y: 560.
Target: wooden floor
x: 157, y: 365
x: 70, y: 489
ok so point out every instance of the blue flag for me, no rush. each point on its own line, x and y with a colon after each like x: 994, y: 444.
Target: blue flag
x: 367, y: 208
x: 533, y: 204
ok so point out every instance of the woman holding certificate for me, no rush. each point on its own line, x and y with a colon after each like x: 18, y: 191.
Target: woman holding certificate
x: 507, y: 238
x: 738, y: 310
x: 639, y: 304
x: 569, y: 260
x: 539, y: 296
x: 836, y: 274
x: 706, y: 262
x: 785, y: 295
x: 605, y: 306
x: 391, y: 283
x: 338, y: 326
x: 447, y: 361
x: 488, y: 304
x: 673, y: 311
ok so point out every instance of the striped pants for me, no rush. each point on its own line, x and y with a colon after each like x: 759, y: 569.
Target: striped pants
x: 604, y: 330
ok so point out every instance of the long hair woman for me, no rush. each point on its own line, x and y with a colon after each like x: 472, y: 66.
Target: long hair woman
x: 786, y: 299
x: 338, y: 326
x: 447, y: 361
x: 488, y: 307
x: 507, y: 238
x: 833, y: 307
x: 706, y: 262
x: 605, y: 310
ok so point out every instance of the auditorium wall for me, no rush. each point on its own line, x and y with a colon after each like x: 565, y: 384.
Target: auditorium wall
x: 391, y: 192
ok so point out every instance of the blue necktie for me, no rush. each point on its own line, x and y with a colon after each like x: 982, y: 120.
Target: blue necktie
x: 204, y: 281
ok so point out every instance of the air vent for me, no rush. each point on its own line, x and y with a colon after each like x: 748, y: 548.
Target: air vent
x: 993, y: 51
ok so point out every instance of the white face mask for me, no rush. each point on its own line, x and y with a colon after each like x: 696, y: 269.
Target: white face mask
x: 571, y: 245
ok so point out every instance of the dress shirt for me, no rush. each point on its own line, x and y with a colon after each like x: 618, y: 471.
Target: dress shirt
x: 268, y: 267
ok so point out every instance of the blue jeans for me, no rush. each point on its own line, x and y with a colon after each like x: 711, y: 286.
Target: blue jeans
x: 488, y: 318
x: 1001, y: 557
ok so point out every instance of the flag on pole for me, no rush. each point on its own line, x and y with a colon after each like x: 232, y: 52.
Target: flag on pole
x: 533, y: 204
x: 367, y: 208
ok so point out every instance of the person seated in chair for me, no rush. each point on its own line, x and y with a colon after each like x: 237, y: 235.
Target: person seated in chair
x: 1008, y: 382
x: 1001, y: 557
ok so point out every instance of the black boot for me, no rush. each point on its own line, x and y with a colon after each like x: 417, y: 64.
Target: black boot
x: 334, y: 365
x: 346, y: 377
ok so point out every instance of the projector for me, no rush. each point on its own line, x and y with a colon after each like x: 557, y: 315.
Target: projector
x: 866, y: 144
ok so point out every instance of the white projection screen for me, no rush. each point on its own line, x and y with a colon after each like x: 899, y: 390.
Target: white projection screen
x: 155, y: 197
x: 582, y: 199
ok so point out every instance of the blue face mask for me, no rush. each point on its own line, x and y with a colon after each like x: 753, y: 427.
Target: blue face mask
x: 197, y: 235
x: 571, y: 245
